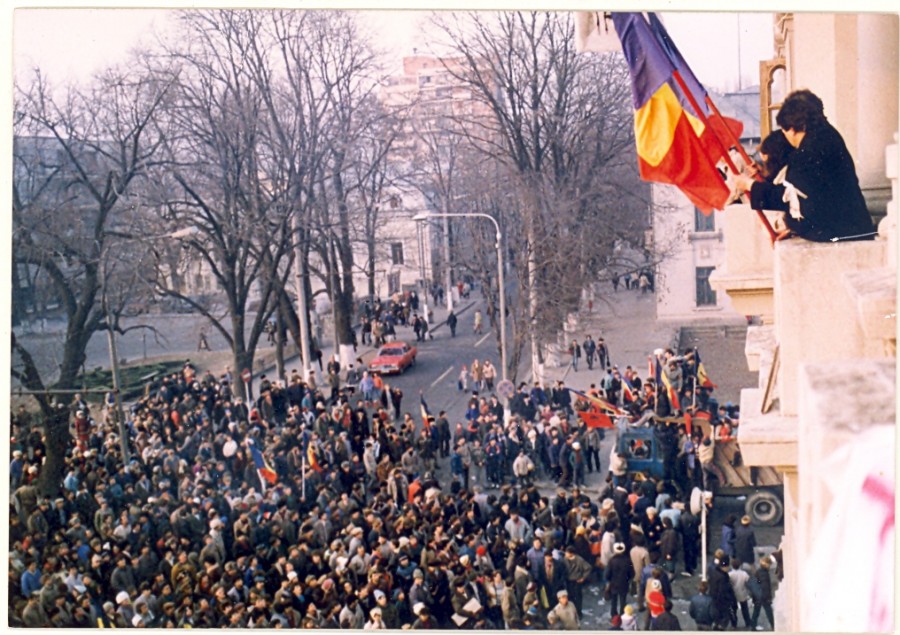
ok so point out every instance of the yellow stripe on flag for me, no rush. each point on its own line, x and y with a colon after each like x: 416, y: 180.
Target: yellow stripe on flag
x: 655, y: 123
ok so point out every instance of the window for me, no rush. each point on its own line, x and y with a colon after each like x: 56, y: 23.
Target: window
x: 397, y: 253
x: 704, y: 223
x: 705, y: 294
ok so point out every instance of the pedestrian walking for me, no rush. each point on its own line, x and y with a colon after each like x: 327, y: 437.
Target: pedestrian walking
x: 590, y: 348
x: 479, y: 322
x: 451, y: 322
x: 764, y: 581
x: 575, y: 352
x: 463, y: 380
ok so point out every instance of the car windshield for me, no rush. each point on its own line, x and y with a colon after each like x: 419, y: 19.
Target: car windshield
x: 392, y: 351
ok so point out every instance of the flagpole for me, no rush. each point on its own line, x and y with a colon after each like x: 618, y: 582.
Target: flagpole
x: 696, y: 378
x: 656, y: 375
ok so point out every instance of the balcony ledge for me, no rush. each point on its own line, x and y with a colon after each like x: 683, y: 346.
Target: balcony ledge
x: 760, y: 343
x: 875, y: 292
x: 766, y: 439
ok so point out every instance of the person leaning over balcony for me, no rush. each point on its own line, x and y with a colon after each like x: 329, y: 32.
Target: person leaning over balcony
x: 819, y: 187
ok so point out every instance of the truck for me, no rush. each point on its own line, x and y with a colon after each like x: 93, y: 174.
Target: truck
x: 762, y: 486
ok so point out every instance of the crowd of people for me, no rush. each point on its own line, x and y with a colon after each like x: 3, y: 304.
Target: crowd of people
x: 303, y: 510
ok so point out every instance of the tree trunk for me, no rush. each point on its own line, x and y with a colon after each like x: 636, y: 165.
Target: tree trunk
x: 370, y: 265
x: 57, y: 440
x: 279, y: 343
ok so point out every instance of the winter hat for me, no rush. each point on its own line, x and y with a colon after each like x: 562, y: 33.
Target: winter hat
x: 379, y: 594
x: 619, y: 547
x: 121, y: 597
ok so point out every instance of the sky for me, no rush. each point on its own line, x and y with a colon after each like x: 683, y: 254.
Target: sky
x: 73, y: 43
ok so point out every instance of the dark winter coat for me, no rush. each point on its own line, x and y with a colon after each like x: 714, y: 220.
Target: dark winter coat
x: 721, y: 591
x: 823, y: 170
x: 744, y: 542
x: 619, y: 573
x: 665, y: 622
x: 702, y: 609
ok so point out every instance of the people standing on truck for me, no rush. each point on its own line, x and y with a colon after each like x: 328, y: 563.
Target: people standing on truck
x: 707, y: 452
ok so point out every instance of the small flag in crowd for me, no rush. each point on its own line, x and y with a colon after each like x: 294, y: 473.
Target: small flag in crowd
x: 703, y: 379
x: 266, y: 473
x: 427, y: 417
x: 627, y: 394
x: 312, y: 458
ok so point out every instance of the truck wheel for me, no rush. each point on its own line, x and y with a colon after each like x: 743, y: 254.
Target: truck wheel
x: 764, y: 508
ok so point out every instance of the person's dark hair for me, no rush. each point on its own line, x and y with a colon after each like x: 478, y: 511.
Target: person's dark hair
x: 777, y: 150
x: 801, y: 111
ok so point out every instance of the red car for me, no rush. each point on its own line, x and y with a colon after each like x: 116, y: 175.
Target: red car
x: 394, y: 357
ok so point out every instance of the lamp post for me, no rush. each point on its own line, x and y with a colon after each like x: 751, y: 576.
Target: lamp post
x: 111, y: 334
x: 300, y: 271
x: 500, y: 276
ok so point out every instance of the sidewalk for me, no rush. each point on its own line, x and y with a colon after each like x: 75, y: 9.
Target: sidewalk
x: 628, y: 324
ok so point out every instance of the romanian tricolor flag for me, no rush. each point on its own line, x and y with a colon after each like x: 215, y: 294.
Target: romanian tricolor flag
x: 266, y: 473
x: 627, y: 394
x: 673, y: 144
x: 670, y: 389
x: 312, y: 458
x: 598, y: 415
x: 427, y: 417
x: 703, y: 379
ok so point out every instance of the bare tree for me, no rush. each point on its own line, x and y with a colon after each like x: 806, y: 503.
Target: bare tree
x: 345, y: 69
x: 560, y: 137
x: 76, y: 159
x: 221, y: 177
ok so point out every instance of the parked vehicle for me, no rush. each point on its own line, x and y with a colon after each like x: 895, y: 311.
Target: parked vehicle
x: 393, y: 358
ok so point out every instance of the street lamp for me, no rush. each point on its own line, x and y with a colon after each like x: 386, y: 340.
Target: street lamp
x: 500, y: 277
x: 111, y: 334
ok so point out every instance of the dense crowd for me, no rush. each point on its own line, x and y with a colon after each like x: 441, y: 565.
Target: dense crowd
x: 302, y: 510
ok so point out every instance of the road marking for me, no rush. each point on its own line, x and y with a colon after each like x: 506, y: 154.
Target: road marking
x: 481, y: 341
x: 444, y: 374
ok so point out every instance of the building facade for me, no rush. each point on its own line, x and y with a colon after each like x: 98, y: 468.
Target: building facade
x: 824, y: 413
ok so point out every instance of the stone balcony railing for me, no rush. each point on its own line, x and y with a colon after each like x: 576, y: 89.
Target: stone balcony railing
x: 826, y: 355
